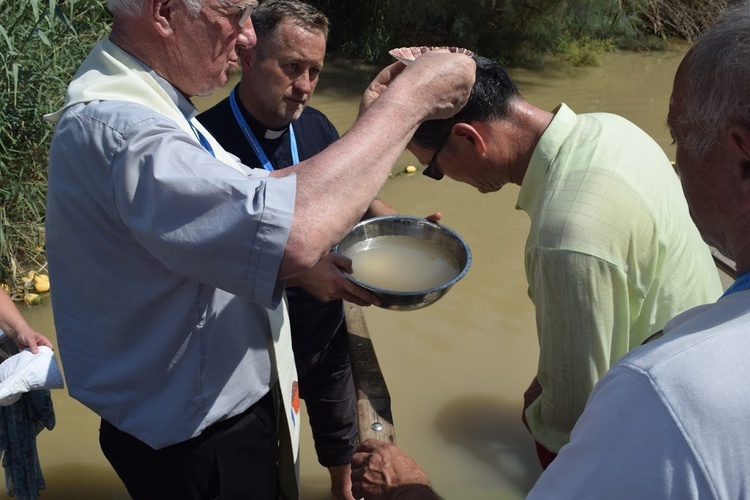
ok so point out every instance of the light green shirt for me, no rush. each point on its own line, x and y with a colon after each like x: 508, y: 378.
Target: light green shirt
x: 611, y: 256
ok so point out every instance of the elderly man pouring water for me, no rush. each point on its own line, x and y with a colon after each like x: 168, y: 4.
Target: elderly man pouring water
x: 187, y: 360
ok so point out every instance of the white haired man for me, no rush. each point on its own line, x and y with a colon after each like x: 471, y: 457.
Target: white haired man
x: 188, y: 360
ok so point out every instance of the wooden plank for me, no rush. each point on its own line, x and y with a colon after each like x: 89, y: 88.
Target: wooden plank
x: 373, y: 399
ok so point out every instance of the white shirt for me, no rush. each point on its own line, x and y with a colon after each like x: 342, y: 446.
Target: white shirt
x: 670, y: 419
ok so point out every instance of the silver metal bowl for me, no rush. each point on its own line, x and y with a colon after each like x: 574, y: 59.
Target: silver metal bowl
x: 416, y: 227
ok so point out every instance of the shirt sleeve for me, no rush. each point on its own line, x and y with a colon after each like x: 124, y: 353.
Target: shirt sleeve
x: 582, y: 316
x: 200, y: 218
x: 626, y: 445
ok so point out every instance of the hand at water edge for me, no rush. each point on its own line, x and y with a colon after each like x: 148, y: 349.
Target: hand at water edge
x: 382, y: 471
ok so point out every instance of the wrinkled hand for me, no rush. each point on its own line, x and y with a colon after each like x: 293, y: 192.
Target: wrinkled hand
x: 28, y: 337
x: 326, y: 282
x: 435, y: 83
x: 382, y: 471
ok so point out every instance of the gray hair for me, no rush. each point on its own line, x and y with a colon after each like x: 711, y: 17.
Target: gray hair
x: 269, y: 14
x: 715, y: 82
x: 132, y: 7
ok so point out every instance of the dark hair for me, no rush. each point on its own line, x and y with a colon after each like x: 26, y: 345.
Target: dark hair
x: 269, y: 14
x: 490, y: 99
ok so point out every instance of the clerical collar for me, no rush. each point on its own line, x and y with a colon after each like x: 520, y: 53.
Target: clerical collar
x: 274, y: 134
x: 239, y: 116
x: 258, y: 128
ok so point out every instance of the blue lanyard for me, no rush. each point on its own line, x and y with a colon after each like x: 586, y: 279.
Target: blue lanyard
x: 202, y: 139
x: 251, y: 137
x: 741, y: 283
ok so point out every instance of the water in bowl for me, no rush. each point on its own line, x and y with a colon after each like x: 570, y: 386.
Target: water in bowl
x: 402, y: 263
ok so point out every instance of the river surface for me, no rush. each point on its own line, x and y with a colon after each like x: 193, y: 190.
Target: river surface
x: 456, y: 370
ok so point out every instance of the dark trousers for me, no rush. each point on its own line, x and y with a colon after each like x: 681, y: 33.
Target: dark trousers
x: 232, y: 459
x: 326, y: 384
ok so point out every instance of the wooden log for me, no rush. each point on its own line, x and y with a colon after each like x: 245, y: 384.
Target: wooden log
x: 373, y: 400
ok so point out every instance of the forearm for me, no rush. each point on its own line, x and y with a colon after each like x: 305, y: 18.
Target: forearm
x: 336, y: 186
x: 11, y: 320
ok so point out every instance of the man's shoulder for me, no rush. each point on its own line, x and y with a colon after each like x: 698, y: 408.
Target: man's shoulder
x: 315, y: 121
x: 119, y: 117
x: 314, y: 116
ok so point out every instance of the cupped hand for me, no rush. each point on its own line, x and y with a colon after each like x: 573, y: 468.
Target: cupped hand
x: 443, y: 81
x: 436, y: 85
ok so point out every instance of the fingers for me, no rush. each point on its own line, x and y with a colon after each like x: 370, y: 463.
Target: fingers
x: 32, y: 346
x: 358, y: 295
x: 341, y: 261
x: 388, y: 74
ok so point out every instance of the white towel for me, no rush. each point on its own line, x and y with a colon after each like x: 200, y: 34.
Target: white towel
x: 25, y: 371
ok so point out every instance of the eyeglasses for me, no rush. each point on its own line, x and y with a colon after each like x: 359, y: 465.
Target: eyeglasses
x: 432, y: 171
x: 244, y: 10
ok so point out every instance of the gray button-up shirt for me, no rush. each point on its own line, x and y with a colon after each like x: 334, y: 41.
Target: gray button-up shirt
x: 163, y: 261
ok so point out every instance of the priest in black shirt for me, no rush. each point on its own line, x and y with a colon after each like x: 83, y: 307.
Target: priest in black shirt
x: 267, y: 123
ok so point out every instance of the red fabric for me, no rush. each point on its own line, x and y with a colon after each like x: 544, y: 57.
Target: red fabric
x: 545, y: 456
x: 532, y: 393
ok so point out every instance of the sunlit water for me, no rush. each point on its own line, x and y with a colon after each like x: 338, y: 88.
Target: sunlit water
x: 456, y: 370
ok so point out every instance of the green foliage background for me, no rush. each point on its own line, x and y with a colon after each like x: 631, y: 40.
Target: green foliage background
x: 516, y: 32
x: 41, y: 46
x: 43, y: 42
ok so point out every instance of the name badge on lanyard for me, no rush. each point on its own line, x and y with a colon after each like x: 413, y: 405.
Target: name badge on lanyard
x: 254, y: 144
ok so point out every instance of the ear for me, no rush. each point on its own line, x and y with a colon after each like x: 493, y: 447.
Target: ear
x: 738, y: 141
x: 161, y: 16
x: 470, y: 135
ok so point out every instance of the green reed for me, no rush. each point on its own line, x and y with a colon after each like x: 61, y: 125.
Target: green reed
x: 41, y: 45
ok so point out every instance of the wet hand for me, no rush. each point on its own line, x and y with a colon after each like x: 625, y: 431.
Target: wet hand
x: 441, y: 82
x: 382, y: 471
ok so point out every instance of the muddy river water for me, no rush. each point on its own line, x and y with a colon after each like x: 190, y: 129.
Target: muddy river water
x: 456, y: 370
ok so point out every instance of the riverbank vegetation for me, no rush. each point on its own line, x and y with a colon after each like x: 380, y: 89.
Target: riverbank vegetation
x: 516, y: 32
x: 42, y: 42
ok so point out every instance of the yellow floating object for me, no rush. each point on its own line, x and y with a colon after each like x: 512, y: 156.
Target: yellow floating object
x: 32, y: 298
x: 410, y: 169
x: 41, y: 277
x: 41, y: 286
x: 6, y: 288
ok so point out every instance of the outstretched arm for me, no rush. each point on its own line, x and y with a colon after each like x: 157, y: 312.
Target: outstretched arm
x: 336, y: 186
